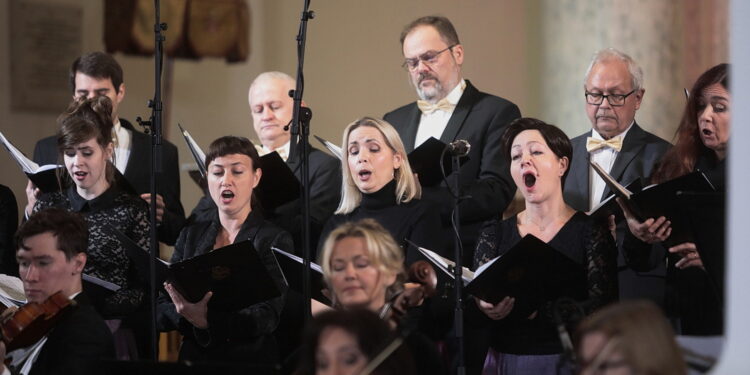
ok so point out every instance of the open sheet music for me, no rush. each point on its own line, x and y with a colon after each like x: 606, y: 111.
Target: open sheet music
x: 44, y: 177
x: 658, y: 200
x: 195, y: 150
x: 531, y: 271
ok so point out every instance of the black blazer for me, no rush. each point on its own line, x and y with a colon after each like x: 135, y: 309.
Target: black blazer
x: 640, y: 152
x: 243, y: 335
x: 479, y: 118
x: 325, y: 193
x: 8, y: 227
x: 137, y: 172
x: 79, y: 340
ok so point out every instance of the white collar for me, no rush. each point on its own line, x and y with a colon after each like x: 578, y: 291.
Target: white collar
x: 595, y: 134
x: 455, y: 94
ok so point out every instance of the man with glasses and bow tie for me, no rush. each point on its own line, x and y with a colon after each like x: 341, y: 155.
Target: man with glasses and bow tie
x: 451, y: 108
x: 613, y: 90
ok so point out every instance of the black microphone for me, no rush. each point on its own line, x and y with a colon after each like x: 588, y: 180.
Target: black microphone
x: 459, y: 147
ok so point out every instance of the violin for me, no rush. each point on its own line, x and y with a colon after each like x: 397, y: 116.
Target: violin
x: 32, y: 321
x: 424, y: 279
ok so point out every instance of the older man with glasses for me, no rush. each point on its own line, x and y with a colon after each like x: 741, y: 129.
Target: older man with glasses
x: 613, y: 91
x: 451, y: 108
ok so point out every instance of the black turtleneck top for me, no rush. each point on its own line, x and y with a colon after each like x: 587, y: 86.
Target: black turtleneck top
x: 416, y: 220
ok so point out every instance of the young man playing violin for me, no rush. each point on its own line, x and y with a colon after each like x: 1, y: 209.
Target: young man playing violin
x: 51, y: 255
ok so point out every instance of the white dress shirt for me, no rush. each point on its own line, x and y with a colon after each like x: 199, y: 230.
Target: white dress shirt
x: 283, y: 150
x: 434, y: 124
x: 605, y: 157
x: 122, y: 139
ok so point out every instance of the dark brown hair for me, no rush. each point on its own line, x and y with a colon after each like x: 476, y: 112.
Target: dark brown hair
x: 443, y: 26
x: 680, y: 159
x: 83, y: 120
x: 69, y: 228
x: 97, y: 65
x: 371, y: 333
x: 556, y: 139
x: 230, y: 144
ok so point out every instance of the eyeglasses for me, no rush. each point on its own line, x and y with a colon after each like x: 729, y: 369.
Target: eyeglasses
x: 429, y: 58
x: 614, y: 100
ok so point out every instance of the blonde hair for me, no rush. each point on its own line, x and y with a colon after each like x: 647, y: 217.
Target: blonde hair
x: 384, y: 253
x: 639, y: 330
x: 407, y: 186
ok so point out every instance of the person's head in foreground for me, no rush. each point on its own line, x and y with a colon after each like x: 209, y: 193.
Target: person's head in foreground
x: 362, y: 265
x: 343, y: 342
x: 51, y: 253
x: 630, y: 337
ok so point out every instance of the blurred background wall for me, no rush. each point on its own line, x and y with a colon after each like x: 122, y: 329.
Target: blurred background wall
x: 533, y: 53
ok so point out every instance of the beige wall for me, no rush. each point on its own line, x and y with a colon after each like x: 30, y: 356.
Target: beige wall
x: 514, y: 48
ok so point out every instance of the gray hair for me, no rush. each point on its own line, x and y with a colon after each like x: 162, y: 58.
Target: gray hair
x: 636, y: 73
x: 271, y: 75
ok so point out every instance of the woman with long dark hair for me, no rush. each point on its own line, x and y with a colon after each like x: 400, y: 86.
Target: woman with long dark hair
x: 701, y: 144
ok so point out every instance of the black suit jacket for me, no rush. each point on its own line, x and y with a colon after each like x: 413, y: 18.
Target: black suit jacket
x: 8, y: 227
x: 80, y: 339
x: 479, y: 118
x: 137, y: 173
x: 640, y: 153
x: 325, y: 193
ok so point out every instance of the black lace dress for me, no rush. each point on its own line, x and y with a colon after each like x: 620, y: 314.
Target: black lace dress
x: 107, y: 259
x: 586, y: 243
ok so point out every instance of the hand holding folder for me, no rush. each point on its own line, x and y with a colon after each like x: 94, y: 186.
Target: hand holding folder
x: 531, y: 272
x: 235, y: 274
x: 654, y: 201
x: 44, y: 177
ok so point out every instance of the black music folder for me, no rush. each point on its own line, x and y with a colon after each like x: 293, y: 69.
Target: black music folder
x: 198, y: 155
x: 609, y: 205
x: 97, y: 289
x: 235, y: 274
x: 654, y: 201
x: 291, y: 266
x: 44, y: 177
x: 333, y: 148
x: 278, y: 185
x: 705, y: 215
x: 531, y: 271
x: 427, y: 159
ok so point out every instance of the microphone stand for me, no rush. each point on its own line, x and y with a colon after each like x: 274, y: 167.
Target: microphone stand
x: 458, y: 283
x: 154, y: 127
x: 300, y: 142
